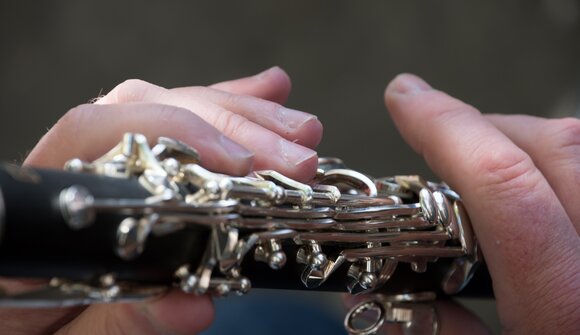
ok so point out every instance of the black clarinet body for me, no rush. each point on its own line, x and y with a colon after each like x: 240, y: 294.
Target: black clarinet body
x: 37, y: 241
x: 404, y: 280
x: 139, y: 221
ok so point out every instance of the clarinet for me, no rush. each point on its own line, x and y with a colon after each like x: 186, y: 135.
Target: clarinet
x: 141, y: 220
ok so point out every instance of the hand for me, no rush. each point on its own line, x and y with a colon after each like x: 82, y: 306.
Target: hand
x: 260, y: 133
x: 519, y: 177
x: 271, y: 136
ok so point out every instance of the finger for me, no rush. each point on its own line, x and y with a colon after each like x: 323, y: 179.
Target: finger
x: 89, y: 131
x: 453, y: 319
x: 296, y: 126
x: 175, y: 313
x: 528, y: 241
x: 19, y: 320
x: 272, y: 84
x: 272, y: 150
x: 293, y: 125
x: 554, y: 146
x: 26, y: 321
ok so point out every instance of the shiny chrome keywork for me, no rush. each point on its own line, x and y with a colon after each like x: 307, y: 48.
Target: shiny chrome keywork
x: 413, y: 312
x: 377, y: 225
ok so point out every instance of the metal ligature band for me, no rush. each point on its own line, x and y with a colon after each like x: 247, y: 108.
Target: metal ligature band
x: 142, y: 219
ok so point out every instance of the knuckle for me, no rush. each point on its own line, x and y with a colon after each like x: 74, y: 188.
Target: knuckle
x: 457, y: 109
x: 200, y: 91
x: 231, y: 124
x: 507, y: 173
x: 272, y: 108
x: 214, y: 96
x: 131, y: 90
x: 258, y: 106
x: 564, y: 136
x: 175, y: 117
x: 230, y: 99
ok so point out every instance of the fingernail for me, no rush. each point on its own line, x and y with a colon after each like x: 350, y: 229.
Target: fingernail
x: 234, y: 150
x: 409, y: 84
x: 295, y: 154
x: 293, y: 119
x: 267, y: 72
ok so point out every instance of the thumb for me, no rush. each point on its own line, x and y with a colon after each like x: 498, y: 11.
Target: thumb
x: 174, y: 313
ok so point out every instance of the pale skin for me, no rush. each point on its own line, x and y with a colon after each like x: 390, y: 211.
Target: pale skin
x: 518, y: 176
x: 236, y: 126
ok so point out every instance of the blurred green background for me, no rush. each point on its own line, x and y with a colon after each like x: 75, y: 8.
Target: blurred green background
x: 502, y: 57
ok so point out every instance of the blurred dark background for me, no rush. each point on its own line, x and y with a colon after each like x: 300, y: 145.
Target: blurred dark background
x: 502, y: 57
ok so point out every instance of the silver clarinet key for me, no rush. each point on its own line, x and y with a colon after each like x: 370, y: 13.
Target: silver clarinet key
x: 344, y: 228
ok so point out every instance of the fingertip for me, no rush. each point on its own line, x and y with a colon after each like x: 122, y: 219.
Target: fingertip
x: 279, y: 84
x: 295, y: 155
x: 239, y: 158
x: 309, y: 133
x: 407, y: 84
x: 279, y: 75
x: 288, y: 158
x: 399, y: 94
x: 306, y: 170
x: 274, y: 72
x: 219, y: 159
